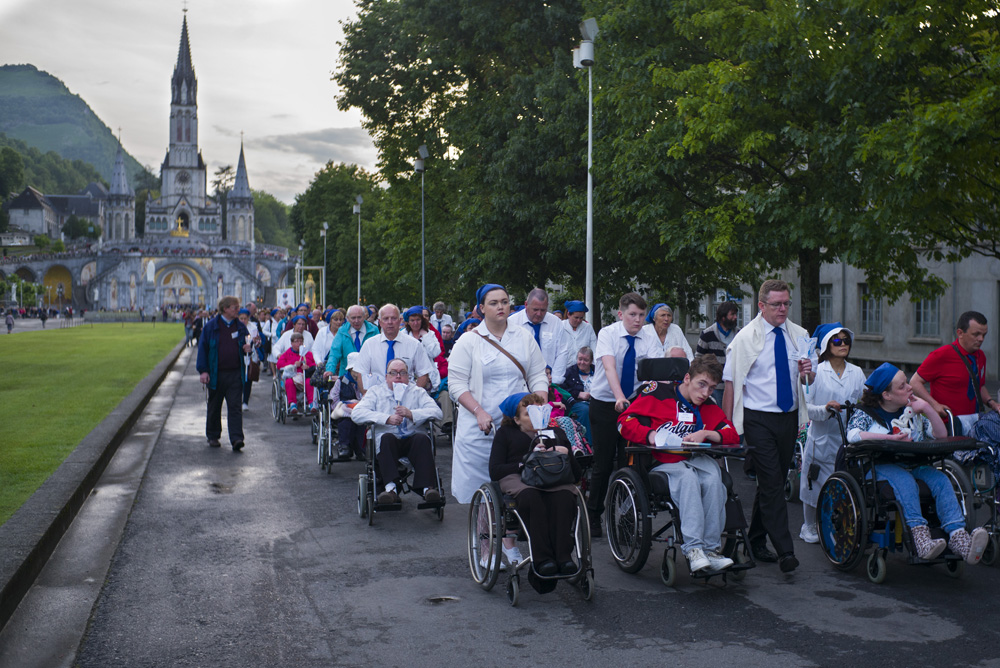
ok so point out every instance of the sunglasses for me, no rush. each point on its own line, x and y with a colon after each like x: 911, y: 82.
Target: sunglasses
x: 841, y: 341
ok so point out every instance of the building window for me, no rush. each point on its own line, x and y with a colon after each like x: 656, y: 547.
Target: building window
x: 926, y: 318
x: 826, y: 302
x: 871, y: 311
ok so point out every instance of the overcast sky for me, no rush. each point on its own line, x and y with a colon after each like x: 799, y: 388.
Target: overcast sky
x: 263, y: 68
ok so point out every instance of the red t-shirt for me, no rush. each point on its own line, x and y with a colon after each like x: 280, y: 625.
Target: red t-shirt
x: 948, y: 378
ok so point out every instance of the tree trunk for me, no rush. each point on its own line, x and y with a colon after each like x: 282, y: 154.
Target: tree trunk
x: 809, y: 264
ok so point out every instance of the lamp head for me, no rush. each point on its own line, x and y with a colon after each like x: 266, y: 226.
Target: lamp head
x: 423, y: 152
x: 359, y: 200
x: 588, y: 29
x: 418, y: 165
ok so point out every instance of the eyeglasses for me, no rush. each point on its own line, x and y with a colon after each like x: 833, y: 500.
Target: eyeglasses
x: 841, y: 341
x: 787, y: 305
x: 397, y: 374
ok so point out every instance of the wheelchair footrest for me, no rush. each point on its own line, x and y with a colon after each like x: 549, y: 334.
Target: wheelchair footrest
x: 428, y: 505
x: 388, y: 507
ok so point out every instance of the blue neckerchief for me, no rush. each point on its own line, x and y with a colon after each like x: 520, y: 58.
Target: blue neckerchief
x: 723, y: 331
x: 699, y: 424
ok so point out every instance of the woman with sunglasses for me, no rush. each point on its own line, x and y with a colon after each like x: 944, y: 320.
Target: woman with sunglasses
x: 837, y: 382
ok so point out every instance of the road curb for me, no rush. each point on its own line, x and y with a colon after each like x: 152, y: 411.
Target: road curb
x: 28, y: 538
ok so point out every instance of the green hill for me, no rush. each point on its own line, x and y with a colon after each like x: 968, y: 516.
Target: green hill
x: 38, y: 109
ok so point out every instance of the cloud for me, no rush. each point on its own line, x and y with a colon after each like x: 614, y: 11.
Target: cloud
x: 349, y: 145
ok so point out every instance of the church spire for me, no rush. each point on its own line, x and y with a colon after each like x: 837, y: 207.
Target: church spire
x: 184, y: 85
x: 119, y: 179
x: 241, y: 186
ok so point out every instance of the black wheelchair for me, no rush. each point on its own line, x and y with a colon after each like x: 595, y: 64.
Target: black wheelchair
x: 372, y: 480
x: 859, y: 515
x: 493, y: 516
x: 637, y: 495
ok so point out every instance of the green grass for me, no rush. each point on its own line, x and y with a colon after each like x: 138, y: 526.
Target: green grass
x: 56, y: 385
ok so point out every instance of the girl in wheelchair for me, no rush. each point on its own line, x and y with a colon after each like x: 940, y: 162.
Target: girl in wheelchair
x: 548, y: 513
x: 888, y: 410
x: 296, y: 369
x: 667, y: 413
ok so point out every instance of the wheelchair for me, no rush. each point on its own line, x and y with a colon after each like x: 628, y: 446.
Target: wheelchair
x: 636, y: 495
x: 859, y: 515
x: 279, y: 402
x: 371, y: 481
x: 493, y: 516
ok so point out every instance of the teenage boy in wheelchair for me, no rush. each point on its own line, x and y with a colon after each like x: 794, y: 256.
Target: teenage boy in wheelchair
x: 665, y: 414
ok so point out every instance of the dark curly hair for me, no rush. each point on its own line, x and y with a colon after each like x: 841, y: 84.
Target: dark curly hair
x: 531, y: 399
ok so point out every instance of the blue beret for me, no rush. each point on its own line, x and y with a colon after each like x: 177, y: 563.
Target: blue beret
x: 518, y: 308
x: 574, y: 306
x: 274, y: 310
x: 413, y: 310
x: 299, y: 317
x: 243, y: 311
x: 656, y: 307
x: 481, y: 292
x: 328, y: 315
x: 302, y: 305
x: 509, y: 405
x: 881, y: 378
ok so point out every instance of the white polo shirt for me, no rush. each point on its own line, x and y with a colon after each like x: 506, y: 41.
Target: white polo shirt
x: 553, y: 341
x: 372, y: 358
x: 612, y: 341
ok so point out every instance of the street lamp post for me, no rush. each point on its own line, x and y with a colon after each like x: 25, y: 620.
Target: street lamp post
x: 357, y: 209
x: 322, y: 233
x: 584, y: 57
x: 419, y: 167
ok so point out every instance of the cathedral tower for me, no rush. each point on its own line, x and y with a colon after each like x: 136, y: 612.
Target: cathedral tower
x: 119, y: 222
x: 239, y: 205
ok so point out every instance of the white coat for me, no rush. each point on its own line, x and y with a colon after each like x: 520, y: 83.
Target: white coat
x: 823, y: 439
x: 477, y: 367
x: 674, y: 339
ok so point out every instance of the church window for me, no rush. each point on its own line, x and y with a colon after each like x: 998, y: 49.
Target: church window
x: 187, y: 128
x: 180, y: 137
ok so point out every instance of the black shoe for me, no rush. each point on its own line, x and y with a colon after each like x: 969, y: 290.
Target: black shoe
x: 788, y: 563
x: 567, y: 568
x: 761, y: 553
x: 237, y: 446
x: 214, y: 443
x: 548, y: 569
x: 595, y: 528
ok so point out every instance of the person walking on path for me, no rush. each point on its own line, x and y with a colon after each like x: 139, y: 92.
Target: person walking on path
x: 10, y: 322
x: 221, y: 367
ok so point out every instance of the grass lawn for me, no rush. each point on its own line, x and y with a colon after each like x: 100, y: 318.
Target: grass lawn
x: 56, y: 385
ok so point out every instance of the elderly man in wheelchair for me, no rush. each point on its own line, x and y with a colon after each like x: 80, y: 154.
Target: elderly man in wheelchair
x: 396, y: 408
x: 677, y: 417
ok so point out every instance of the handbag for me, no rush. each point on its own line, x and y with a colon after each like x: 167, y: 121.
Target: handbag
x: 253, y: 372
x: 546, y: 468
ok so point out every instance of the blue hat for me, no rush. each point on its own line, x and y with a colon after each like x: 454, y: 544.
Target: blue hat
x: 518, y: 308
x: 413, y: 310
x: 243, y: 311
x: 468, y: 314
x: 509, y: 405
x: 481, y: 292
x: 328, y: 315
x: 274, y: 310
x: 657, y: 307
x: 303, y: 304
x: 881, y: 378
x: 824, y: 333
x: 298, y: 317
x: 574, y: 306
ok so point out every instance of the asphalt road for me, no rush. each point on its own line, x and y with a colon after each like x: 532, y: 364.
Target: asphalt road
x: 260, y: 559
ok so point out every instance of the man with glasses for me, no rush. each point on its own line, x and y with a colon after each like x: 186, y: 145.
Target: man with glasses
x: 392, y: 343
x: 765, y: 400
x: 395, y: 420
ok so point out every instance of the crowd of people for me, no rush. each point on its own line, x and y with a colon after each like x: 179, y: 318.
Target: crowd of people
x: 397, y: 369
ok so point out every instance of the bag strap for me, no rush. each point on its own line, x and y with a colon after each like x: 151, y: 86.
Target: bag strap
x: 972, y: 375
x: 510, y: 357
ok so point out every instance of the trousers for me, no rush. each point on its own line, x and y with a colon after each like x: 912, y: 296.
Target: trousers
x: 549, y: 519
x: 609, y: 453
x: 770, y: 439
x: 904, y: 485
x: 417, y: 448
x: 228, y: 388
x: 696, y: 489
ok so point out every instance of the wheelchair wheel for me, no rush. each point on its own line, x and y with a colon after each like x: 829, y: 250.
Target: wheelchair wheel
x: 964, y: 490
x: 990, y: 553
x: 513, y: 589
x: 792, y: 486
x: 362, y: 496
x: 439, y: 513
x: 275, y: 401
x: 314, y: 428
x: 876, y: 567
x: 982, y: 478
x: 485, y: 535
x: 843, y: 521
x: 955, y: 567
x: 628, y: 521
x: 668, y: 569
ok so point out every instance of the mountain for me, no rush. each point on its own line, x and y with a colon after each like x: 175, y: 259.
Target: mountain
x: 38, y: 109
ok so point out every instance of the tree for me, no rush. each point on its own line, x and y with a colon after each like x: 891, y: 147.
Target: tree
x: 11, y: 172
x: 223, y: 182
x: 42, y: 241
x: 271, y: 220
x: 76, y: 228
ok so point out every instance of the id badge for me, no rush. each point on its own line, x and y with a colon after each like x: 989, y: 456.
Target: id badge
x: 686, y: 418
x: 235, y: 334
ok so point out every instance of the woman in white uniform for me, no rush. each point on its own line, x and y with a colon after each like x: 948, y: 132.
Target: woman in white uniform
x: 669, y: 334
x: 418, y: 326
x: 481, y: 376
x: 837, y: 382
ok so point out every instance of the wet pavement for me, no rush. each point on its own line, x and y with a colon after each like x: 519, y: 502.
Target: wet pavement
x: 259, y: 558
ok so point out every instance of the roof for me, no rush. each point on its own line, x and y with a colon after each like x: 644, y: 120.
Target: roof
x: 75, y: 205
x: 29, y: 199
x: 241, y: 186
x: 119, y: 180
x: 95, y: 190
x: 184, y: 71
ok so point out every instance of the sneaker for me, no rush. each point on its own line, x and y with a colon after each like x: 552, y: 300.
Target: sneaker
x: 927, y: 547
x: 312, y: 407
x: 246, y: 407
x: 979, y: 539
x: 293, y: 409
x: 697, y: 560
x: 512, y: 554
x: 716, y: 561
x: 809, y: 533
x: 482, y: 562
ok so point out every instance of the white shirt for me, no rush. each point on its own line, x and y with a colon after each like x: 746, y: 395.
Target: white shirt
x: 445, y: 320
x: 578, y: 338
x: 285, y: 342
x: 321, y: 346
x: 379, y: 403
x: 553, y: 341
x: 433, y: 349
x: 612, y: 342
x: 674, y: 339
x: 372, y: 359
x: 760, y: 386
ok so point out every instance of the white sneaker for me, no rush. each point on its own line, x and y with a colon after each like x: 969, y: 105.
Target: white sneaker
x: 809, y: 533
x: 513, y: 555
x: 482, y: 562
x: 716, y: 561
x: 697, y: 560
x: 978, y: 540
x: 246, y: 407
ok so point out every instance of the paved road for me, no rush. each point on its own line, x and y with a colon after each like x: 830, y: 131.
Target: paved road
x: 259, y: 559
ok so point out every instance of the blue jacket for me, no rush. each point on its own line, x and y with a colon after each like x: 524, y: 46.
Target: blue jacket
x: 573, y: 384
x: 343, y: 345
x: 208, y: 350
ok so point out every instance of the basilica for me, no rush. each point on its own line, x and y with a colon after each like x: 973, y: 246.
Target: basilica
x: 194, y: 249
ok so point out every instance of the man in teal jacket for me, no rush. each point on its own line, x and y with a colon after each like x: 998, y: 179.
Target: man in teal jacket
x: 351, y: 335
